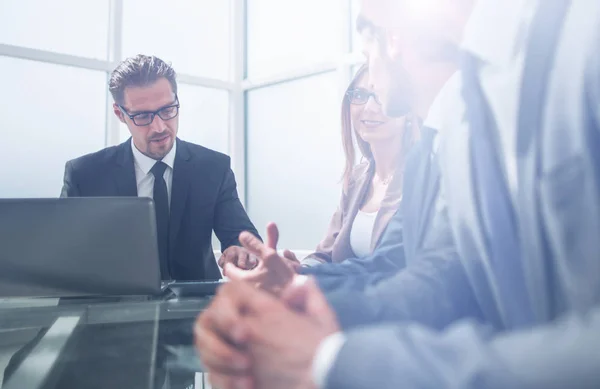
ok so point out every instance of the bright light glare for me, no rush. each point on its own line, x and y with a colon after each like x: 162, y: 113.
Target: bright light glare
x: 421, y: 8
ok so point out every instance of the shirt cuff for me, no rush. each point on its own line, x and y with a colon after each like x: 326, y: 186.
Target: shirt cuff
x: 310, y: 262
x: 325, y: 358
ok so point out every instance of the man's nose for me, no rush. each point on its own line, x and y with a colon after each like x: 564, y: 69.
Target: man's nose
x: 376, y: 73
x: 158, y: 125
x: 372, y: 105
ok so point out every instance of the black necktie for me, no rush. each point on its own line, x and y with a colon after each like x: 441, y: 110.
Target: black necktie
x: 415, y: 188
x: 496, y: 211
x: 428, y: 136
x: 161, y: 206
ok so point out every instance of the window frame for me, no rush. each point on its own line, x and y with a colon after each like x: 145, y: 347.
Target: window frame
x: 238, y: 87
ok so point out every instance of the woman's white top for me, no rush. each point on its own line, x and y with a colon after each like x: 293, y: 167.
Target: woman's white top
x: 361, y: 233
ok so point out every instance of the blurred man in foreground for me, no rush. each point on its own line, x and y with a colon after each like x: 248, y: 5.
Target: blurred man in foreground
x: 521, y: 187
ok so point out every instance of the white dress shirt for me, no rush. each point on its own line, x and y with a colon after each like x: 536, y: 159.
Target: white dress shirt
x: 435, y: 114
x: 144, y: 179
x: 325, y: 357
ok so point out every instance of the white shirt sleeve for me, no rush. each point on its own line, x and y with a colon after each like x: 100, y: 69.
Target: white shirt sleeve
x: 325, y: 358
x: 310, y: 262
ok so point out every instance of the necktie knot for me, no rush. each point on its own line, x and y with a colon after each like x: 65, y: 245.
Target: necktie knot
x: 158, y: 169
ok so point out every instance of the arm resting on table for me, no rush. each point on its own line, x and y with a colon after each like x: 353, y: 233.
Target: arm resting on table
x: 69, y: 188
x: 355, y: 274
x: 562, y: 354
x: 230, y: 217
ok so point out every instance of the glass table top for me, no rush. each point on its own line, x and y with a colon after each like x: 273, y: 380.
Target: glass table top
x: 99, y: 343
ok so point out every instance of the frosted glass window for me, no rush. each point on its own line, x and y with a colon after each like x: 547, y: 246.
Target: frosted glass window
x: 203, y: 117
x: 353, y: 70
x: 194, y: 35
x: 289, y: 35
x: 295, y: 158
x: 73, y: 27
x: 356, y: 39
x: 50, y: 114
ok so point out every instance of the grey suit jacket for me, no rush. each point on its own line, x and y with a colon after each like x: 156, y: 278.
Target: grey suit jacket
x: 558, y: 211
x: 335, y: 247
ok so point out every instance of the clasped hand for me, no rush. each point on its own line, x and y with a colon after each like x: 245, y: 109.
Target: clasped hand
x: 265, y: 337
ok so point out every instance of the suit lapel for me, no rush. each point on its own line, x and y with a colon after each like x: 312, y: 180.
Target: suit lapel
x: 357, y: 196
x: 416, y: 171
x: 381, y: 221
x: 182, y: 173
x: 388, y: 208
x: 430, y: 186
x: 125, y: 171
x: 455, y: 159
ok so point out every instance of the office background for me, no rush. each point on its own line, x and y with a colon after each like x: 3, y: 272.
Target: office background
x: 260, y: 80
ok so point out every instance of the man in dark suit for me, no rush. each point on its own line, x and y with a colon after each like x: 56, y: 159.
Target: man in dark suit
x: 193, y: 188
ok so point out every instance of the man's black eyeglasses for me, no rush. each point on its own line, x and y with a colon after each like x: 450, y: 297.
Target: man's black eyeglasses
x: 146, y: 118
x: 360, y: 96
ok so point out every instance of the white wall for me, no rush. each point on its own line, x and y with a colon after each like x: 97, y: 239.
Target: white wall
x: 295, y: 158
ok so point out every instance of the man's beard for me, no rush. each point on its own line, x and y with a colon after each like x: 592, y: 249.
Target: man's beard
x: 401, y: 96
x: 444, y: 51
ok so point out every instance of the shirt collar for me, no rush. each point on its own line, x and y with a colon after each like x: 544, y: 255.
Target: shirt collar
x: 495, y: 34
x: 436, y: 111
x: 146, y: 163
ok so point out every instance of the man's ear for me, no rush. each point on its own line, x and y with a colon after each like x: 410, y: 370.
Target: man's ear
x: 393, y: 46
x: 118, y: 113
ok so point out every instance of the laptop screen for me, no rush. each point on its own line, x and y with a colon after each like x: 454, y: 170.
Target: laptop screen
x: 77, y: 247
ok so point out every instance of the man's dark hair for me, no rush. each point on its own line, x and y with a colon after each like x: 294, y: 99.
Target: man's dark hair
x: 141, y: 70
x: 363, y: 24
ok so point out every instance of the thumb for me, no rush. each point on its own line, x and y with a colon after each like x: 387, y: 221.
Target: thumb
x: 234, y: 273
x: 246, y: 261
x: 272, y: 235
x: 290, y: 255
x: 295, y: 294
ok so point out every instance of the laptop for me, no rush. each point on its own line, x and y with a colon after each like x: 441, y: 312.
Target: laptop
x: 84, y: 246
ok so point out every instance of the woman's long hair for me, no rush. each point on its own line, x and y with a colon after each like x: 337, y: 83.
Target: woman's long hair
x: 409, y: 136
x: 348, y: 130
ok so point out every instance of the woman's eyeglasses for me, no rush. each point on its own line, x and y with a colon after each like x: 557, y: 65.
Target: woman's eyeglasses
x: 360, y: 96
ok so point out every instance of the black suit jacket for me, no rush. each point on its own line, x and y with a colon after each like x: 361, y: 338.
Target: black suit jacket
x: 203, y: 198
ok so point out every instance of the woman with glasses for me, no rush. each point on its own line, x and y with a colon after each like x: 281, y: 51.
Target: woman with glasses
x: 372, y: 189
